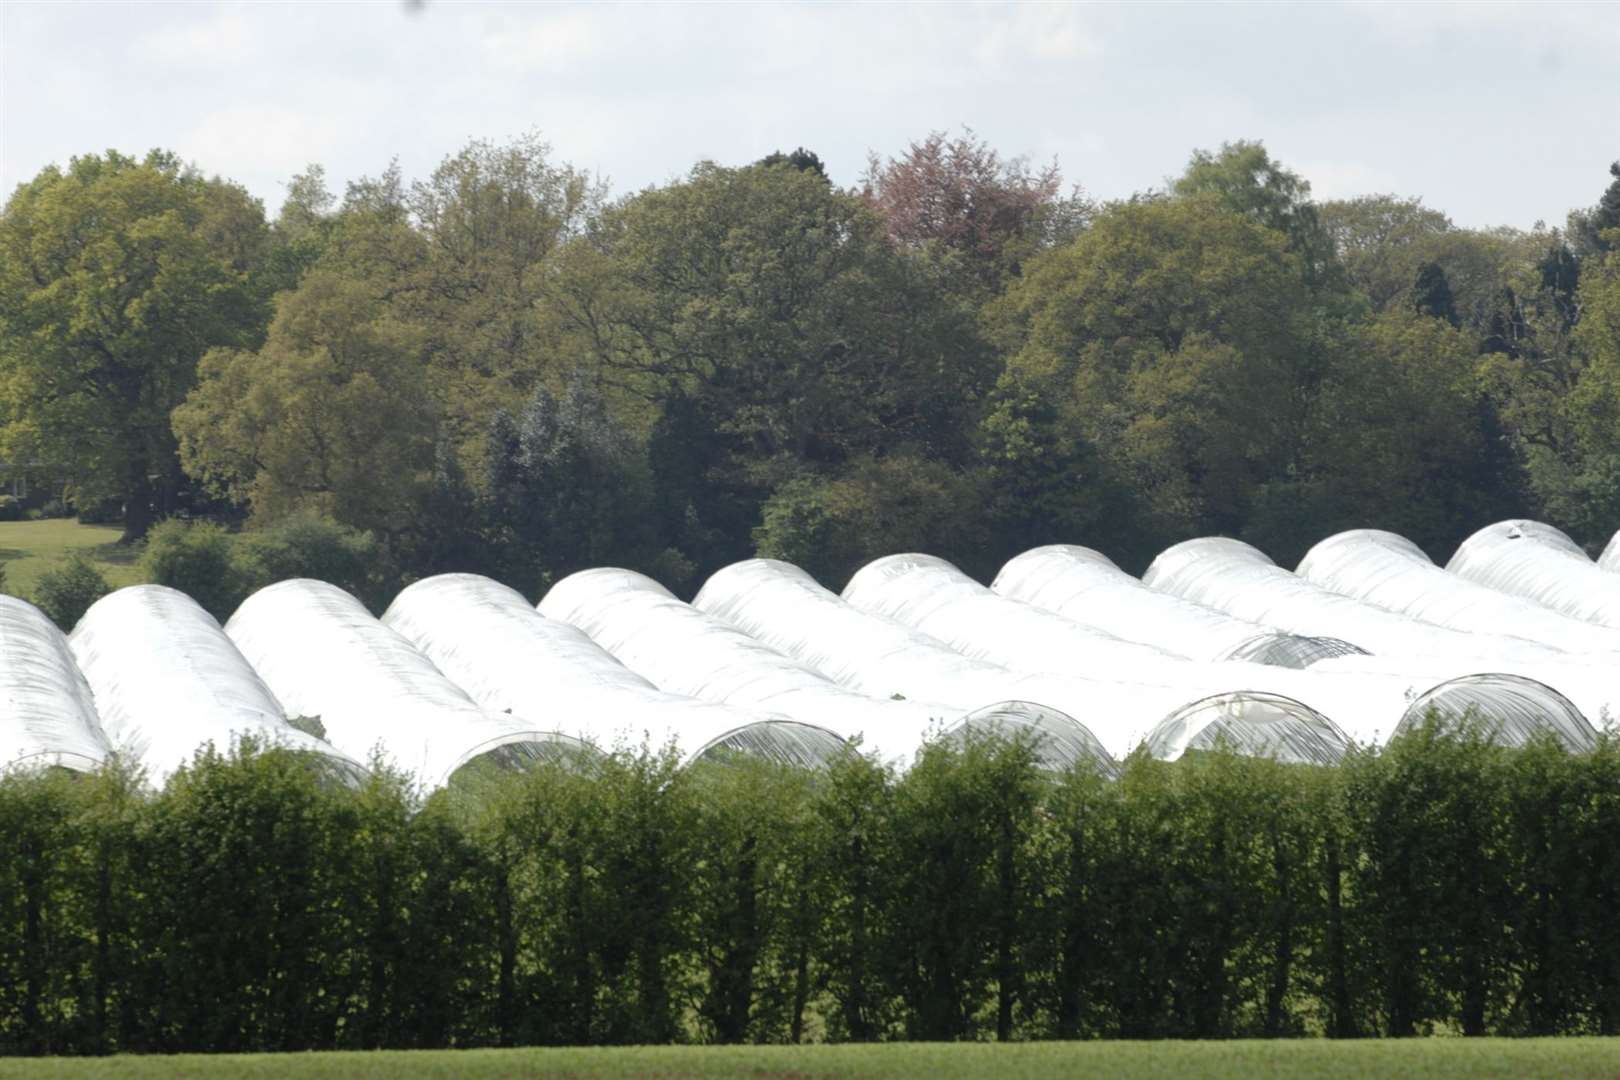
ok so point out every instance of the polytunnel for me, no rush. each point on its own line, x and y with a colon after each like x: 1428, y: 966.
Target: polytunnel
x: 167, y: 680
x: 512, y: 659
x: 324, y: 656
x: 784, y: 607
x: 1252, y: 724
x: 1390, y: 572
x: 1610, y: 560
x: 930, y: 595
x: 1539, y: 563
x: 47, y: 712
x: 1512, y: 709
x: 682, y: 650
x: 1059, y: 741
x: 1235, y: 577
x: 1086, y: 587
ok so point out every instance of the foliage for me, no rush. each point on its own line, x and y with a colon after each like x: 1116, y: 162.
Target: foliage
x: 116, y: 275
x: 195, y: 558
x: 66, y: 592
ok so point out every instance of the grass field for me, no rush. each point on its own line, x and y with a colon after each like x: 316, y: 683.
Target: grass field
x: 1420, y: 1059
x: 30, y: 548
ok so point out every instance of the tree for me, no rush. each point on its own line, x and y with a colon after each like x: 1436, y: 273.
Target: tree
x: 333, y: 414
x: 960, y: 198
x: 1246, y: 180
x: 1591, y: 228
x: 1381, y: 240
x: 801, y: 159
x: 1431, y: 294
x: 116, y: 276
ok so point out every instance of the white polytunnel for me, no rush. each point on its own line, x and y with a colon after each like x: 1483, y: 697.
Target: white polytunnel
x: 47, y: 712
x: 1234, y: 577
x: 325, y: 656
x: 681, y: 650
x: 1254, y: 724
x: 1085, y: 586
x: 784, y: 607
x: 511, y: 658
x: 1513, y: 710
x: 1059, y: 741
x: 1390, y: 572
x: 167, y: 680
x: 930, y: 595
x: 1540, y: 563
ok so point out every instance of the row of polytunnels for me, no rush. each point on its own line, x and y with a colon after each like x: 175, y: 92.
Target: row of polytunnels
x: 1214, y: 644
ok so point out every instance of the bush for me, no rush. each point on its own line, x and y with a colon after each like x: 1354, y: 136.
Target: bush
x: 54, y: 508
x: 66, y: 592
x: 100, y: 512
x: 308, y: 545
x: 11, y: 508
x: 195, y: 558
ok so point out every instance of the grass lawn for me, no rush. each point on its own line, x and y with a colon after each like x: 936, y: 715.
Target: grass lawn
x: 30, y: 548
x: 1420, y: 1059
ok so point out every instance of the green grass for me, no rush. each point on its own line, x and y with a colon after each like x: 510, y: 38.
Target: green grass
x: 1420, y: 1059
x: 30, y: 548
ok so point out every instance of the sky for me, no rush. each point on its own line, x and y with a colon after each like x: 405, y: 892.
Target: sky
x: 1497, y: 114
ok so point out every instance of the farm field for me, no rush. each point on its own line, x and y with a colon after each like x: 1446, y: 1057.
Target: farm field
x: 1419, y: 1059
x: 30, y: 548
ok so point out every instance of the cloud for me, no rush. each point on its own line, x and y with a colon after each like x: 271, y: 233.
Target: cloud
x: 1346, y: 179
x: 259, y: 140
x: 223, y: 40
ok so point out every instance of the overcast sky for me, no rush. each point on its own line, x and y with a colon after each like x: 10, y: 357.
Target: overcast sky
x: 1498, y: 114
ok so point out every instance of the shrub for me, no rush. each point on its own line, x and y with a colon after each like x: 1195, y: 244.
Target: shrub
x: 311, y: 546
x: 195, y: 558
x: 66, y: 592
x: 100, y: 512
x: 54, y: 508
x: 11, y: 508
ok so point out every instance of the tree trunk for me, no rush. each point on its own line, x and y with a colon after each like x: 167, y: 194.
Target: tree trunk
x: 139, y: 493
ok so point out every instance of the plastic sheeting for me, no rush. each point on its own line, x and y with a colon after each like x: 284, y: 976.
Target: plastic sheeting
x: 784, y: 607
x: 1086, y: 587
x: 512, y: 659
x: 1511, y: 709
x: 323, y: 655
x: 1540, y: 563
x: 167, y: 680
x: 1256, y: 725
x: 1060, y: 741
x: 930, y: 595
x: 47, y: 712
x: 1610, y: 560
x: 684, y: 651
x: 1390, y: 572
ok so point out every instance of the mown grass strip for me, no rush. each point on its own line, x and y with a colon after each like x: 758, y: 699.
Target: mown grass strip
x: 1419, y: 1059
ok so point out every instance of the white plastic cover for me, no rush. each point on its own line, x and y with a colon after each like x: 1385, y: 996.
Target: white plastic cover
x: 324, y: 655
x: 1540, y: 563
x: 684, y: 651
x: 783, y: 606
x: 1060, y: 742
x: 47, y: 713
x: 930, y: 595
x: 1513, y: 710
x: 1391, y: 572
x: 512, y: 659
x: 1610, y: 559
x: 1256, y: 725
x: 1086, y: 587
x: 167, y: 680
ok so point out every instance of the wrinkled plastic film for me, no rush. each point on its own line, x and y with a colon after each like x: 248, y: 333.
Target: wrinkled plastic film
x: 47, y: 711
x: 1539, y: 563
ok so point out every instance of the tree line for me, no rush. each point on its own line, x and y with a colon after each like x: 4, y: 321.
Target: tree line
x: 1444, y: 884
x: 501, y: 367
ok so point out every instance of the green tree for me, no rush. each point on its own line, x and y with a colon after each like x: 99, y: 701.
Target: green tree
x: 334, y: 414
x: 116, y: 276
x: 66, y: 591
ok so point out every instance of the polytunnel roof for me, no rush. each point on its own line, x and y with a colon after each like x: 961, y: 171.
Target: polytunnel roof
x: 1538, y: 562
x: 1391, y: 572
x: 324, y: 655
x: 1277, y: 648
x: 1513, y: 709
x: 684, y: 651
x: 783, y: 606
x: 1237, y: 578
x: 167, y: 680
x: 1252, y: 724
x: 47, y: 713
x: 1085, y: 586
x: 1610, y: 559
x: 934, y: 597
x: 512, y: 659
